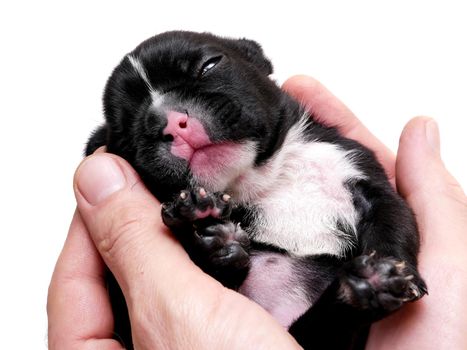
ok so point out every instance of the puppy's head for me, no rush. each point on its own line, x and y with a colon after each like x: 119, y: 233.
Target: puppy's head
x: 186, y: 107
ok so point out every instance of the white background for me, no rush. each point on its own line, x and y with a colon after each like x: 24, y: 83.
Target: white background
x: 388, y: 63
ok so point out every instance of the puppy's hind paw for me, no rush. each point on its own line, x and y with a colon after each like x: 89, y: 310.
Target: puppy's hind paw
x: 383, y: 284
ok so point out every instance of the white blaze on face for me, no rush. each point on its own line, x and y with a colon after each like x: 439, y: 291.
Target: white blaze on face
x: 157, y: 97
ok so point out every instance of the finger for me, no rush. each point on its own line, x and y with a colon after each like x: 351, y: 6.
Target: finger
x: 122, y: 215
x: 101, y: 149
x: 422, y: 170
x: 78, y: 308
x: 124, y: 221
x: 440, y: 207
x: 329, y: 110
x: 167, y: 295
x: 429, y: 188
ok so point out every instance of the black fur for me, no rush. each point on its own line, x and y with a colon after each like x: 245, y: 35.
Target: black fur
x: 244, y: 104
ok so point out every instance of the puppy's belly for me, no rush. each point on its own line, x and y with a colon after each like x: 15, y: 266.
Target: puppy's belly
x: 275, y: 283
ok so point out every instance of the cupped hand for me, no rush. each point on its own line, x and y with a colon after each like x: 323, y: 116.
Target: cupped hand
x: 438, y: 320
x: 172, y: 303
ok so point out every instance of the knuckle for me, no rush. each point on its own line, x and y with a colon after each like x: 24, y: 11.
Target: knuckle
x: 121, y: 230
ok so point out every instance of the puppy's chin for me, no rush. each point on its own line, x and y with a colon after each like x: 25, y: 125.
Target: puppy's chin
x: 218, y: 166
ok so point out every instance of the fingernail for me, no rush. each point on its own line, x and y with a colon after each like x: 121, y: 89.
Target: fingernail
x: 432, y: 134
x: 98, y: 177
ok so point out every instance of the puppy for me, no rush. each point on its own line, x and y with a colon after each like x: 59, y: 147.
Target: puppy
x: 262, y: 196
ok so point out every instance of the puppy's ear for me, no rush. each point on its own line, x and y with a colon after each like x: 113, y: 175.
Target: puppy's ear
x: 253, y: 53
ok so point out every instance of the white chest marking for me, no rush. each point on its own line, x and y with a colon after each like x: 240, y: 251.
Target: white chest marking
x: 303, y: 198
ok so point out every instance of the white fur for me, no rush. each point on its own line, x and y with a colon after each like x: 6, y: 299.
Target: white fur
x: 157, y: 97
x: 302, y: 197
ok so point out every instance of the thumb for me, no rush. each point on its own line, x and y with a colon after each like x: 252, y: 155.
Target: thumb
x: 435, y: 196
x: 419, y: 165
x: 123, y: 220
x: 171, y: 303
x: 440, y: 207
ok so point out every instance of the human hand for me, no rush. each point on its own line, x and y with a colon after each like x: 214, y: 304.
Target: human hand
x: 77, y: 290
x: 438, y: 320
x: 172, y: 303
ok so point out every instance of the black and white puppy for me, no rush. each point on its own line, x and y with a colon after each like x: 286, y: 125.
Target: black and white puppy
x: 263, y: 197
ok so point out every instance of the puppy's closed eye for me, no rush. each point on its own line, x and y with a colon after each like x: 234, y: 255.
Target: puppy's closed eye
x: 208, y: 65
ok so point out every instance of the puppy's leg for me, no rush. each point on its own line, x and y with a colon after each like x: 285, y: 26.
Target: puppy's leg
x: 367, y: 288
x: 201, y: 221
x: 384, y: 276
x: 378, y: 280
x: 379, y: 285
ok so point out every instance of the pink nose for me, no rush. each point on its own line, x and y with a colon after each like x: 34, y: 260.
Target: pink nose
x: 176, y: 121
x: 185, y: 129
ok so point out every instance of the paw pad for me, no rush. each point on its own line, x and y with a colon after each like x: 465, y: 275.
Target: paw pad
x: 196, y: 204
x: 383, y: 283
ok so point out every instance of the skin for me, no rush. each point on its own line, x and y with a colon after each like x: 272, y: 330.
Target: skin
x: 174, y: 305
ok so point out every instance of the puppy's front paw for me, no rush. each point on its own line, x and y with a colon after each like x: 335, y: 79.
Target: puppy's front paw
x: 196, y: 204
x: 201, y: 222
x: 382, y: 284
x: 224, y: 244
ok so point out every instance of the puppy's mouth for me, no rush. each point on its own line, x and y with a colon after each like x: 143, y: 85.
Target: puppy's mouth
x: 215, y: 159
x: 191, y: 142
